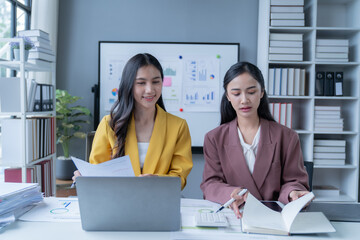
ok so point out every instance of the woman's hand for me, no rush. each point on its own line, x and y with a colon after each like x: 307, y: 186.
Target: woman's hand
x: 239, y: 200
x: 297, y: 194
x: 76, y: 174
x: 147, y: 175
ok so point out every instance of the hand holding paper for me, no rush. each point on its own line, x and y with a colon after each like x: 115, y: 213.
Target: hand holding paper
x: 116, y: 167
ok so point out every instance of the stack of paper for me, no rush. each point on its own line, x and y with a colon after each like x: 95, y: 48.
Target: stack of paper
x: 287, y: 13
x: 334, y: 50
x: 328, y: 119
x: 16, y: 199
x: 329, y: 152
x: 286, y: 47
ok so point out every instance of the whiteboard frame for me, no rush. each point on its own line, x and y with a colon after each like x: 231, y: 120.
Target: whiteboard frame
x: 197, y: 128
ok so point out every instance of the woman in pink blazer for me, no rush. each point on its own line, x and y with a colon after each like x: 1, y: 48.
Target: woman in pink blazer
x: 249, y: 149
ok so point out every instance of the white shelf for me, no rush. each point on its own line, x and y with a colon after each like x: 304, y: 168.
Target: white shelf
x: 24, y: 136
x: 346, y: 166
x: 341, y: 198
x: 324, y: 19
x: 28, y: 114
x: 29, y: 67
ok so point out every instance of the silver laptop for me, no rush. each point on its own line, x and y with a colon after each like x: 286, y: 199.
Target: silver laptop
x: 129, y: 203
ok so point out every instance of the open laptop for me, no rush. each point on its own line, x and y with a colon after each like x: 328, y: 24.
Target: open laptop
x: 129, y: 203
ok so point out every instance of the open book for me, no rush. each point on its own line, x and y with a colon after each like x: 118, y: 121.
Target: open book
x: 257, y: 218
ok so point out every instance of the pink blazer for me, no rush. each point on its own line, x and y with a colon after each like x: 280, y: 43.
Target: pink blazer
x: 279, y: 167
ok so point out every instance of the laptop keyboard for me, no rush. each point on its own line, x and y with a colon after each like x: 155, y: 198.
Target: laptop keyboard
x: 206, y: 219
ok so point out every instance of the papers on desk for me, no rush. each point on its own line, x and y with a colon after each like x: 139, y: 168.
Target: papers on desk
x: 16, y: 199
x: 54, y: 210
x: 116, y: 167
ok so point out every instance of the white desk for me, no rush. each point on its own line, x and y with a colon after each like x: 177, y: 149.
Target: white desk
x: 73, y: 230
x: 61, y: 231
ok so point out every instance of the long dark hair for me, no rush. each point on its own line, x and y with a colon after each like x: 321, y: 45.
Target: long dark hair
x: 122, y: 109
x: 227, y: 111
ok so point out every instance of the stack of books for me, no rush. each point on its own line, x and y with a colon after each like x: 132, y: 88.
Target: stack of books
x: 329, y: 152
x: 286, y: 47
x: 326, y: 191
x: 334, y: 50
x: 42, y: 54
x: 287, y: 13
x: 282, y: 113
x: 328, y: 119
x: 286, y: 82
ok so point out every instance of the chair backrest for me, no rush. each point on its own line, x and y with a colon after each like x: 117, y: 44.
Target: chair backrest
x: 309, y: 166
x: 89, y: 140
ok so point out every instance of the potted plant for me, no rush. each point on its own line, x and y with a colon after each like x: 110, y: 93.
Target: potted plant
x: 70, y: 120
x: 28, y: 44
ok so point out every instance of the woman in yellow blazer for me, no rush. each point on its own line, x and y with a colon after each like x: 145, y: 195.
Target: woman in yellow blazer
x: 157, y: 142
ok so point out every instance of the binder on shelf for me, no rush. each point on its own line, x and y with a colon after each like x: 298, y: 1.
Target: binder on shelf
x: 284, y: 81
x: 45, y: 97
x: 297, y: 82
x: 15, y: 175
x: 302, y: 82
x: 289, y: 115
x: 51, y: 94
x: 329, y: 84
x: 290, y: 85
x: 31, y: 95
x: 319, y: 83
x: 271, y: 84
x: 283, y: 114
x: 38, y: 99
x: 277, y: 83
x: 339, y: 76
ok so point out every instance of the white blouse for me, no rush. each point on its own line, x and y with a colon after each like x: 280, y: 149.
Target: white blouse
x: 143, y: 147
x: 250, y: 150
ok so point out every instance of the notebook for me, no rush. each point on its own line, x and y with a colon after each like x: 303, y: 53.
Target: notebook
x: 129, y: 203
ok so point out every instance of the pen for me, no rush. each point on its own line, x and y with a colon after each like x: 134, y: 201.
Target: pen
x: 73, y: 184
x: 242, y: 192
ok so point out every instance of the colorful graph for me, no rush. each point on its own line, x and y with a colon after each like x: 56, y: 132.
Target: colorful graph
x: 169, y: 72
x: 114, y: 91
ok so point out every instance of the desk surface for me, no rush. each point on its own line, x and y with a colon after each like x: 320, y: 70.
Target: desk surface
x: 61, y: 231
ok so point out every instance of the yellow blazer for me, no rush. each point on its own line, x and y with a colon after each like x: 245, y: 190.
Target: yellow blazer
x: 169, y: 152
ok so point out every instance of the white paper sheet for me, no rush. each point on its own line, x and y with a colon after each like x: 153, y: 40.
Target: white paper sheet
x: 54, y: 210
x: 116, y: 167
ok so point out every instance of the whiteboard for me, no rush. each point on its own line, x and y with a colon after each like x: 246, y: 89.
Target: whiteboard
x: 192, y: 84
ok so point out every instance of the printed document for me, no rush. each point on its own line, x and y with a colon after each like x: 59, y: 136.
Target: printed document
x: 118, y: 167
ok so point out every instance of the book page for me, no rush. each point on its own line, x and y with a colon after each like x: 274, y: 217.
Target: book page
x: 291, y: 209
x: 257, y: 215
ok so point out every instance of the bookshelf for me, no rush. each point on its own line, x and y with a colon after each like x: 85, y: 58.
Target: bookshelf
x: 324, y: 19
x: 20, y: 120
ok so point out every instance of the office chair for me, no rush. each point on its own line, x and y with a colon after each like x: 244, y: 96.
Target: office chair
x: 309, y: 166
x: 89, y: 140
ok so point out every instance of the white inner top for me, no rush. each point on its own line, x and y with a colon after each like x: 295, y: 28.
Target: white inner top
x: 250, y: 151
x: 143, y: 147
